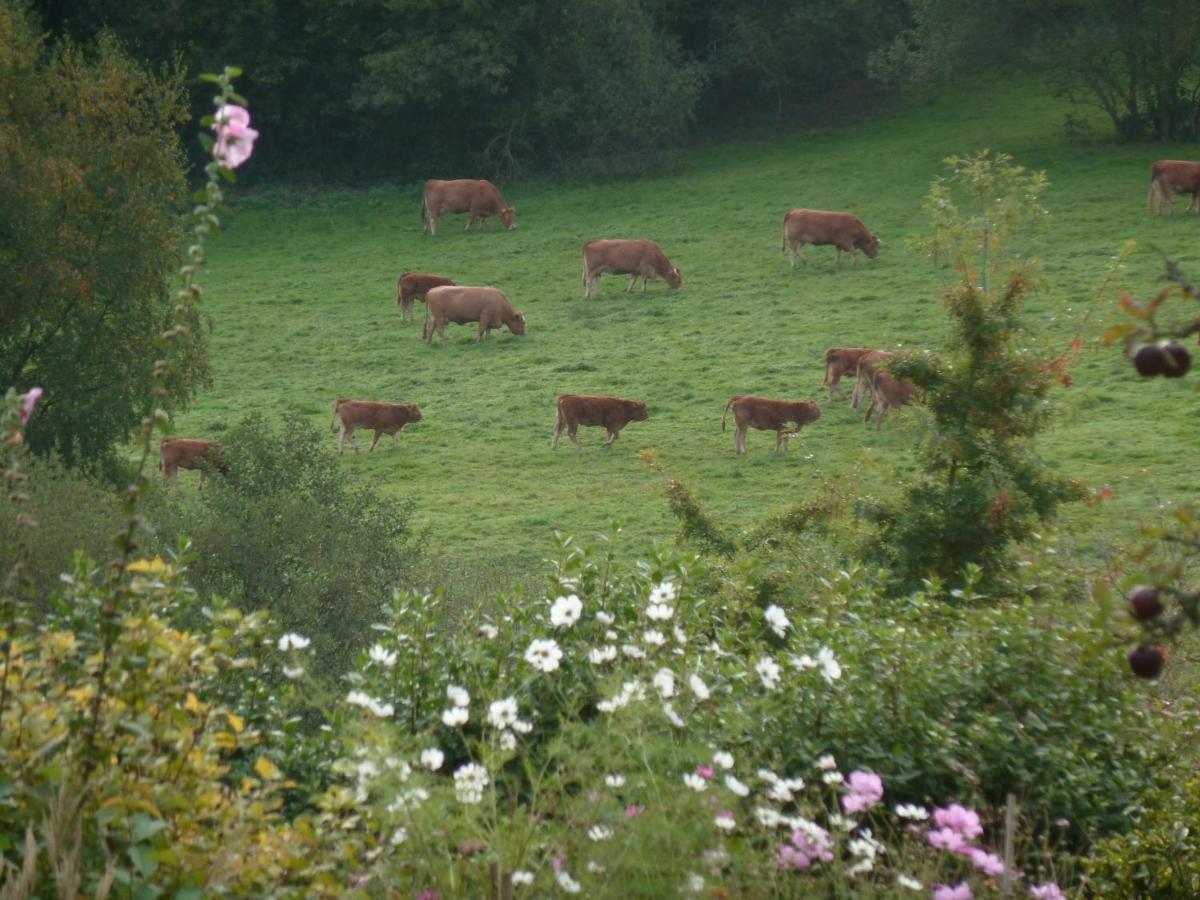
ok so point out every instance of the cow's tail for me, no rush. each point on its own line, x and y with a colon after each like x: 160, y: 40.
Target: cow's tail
x: 725, y: 411
x: 424, y: 209
x: 336, y: 404
x: 1155, y: 187
x: 783, y: 237
x: 399, y: 291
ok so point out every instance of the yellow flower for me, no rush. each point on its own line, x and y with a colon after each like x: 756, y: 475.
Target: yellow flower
x: 154, y: 566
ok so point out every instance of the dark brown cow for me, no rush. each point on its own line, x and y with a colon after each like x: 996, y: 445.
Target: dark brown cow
x: 382, y: 418
x: 480, y: 198
x: 613, y: 413
x: 817, y: 227
x: 187, y: 453
x: 841, y: 361
x: 1174, y: 176
x: 637, y: 258
x: 460, y: 305
x: 889, y: 393
x: 864, y: 374
x: 414, y: 286
x: 769, y: 415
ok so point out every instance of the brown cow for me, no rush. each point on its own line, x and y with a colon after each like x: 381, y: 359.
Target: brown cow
x: 767, y: 414
x: 638, y: 258
x: 817, y: 227
x: 460, y: 305
x: 1174, y: 176
x: 864, y: 374
x: 888, y: 393
x: 382, y: 418
x: 187, y: 453
x: 840, y: 361
x: 480, y: 198
x: 611, y: 412
x: 414, y: 286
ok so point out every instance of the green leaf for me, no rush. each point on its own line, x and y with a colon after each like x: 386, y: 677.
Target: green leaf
x: 145, y: 826
x: 143, y: 859
x: 209, y: 77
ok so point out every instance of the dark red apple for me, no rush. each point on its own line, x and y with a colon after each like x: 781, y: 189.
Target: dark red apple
x: 1146, y: 662
x: 1145, y: 603
x: 1150, y: 360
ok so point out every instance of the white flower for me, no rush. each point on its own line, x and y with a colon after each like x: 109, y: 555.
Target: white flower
x: 680, y: 637
x: 604, y: 618
x: 832, y: 778
x: 770, y: 818
x: 660, y: 612
x: 768, y: 671
x: 826, y: 762
x: 830, y: 670
x: 614, y: 780
x: 837, y: 820
x: 736, y: 786
x: 383, y: 657
x: 777, y: 619
x: 522, y: 877
x: 566, y: 882
x: 399, y: 836
x: 382, y: 710
x: 596, y: 867
x: 673, y: 717
x: 911, y: 883
x: 600, y: 832
x: 767, y: 775
x: 358, y: 698
x: 458, y: 696
x: 508, y: 741
x: 780, y: 791
x: 610, y: 636
x: 598, y: 656
x: 432, y: 758
x: 633, y: 651
x: 293, y: 641
x: 520, y: 726
x: 293, y: 672
x: 725, y: 821
x: 455, y: 716
x: 695, y: 782
x: 366, y: 770
x: 695, y: 884
x: 793, y: 784
x: 654, y: 638
x: 502, y: 713
x: 487, y: 632
x: 663, y: 593
x: 911, y: 811
x: 470, y: 781
x: 544, y: 655
x: 664, y: 681
x: 410, y: 799
x: 565, y: 611
x: 864, y: 864
x: 699, y: 688
x: 723, y: 760
x: 864, y: 846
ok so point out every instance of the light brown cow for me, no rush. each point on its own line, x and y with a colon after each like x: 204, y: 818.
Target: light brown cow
x: 460, y: 305
x: 414, y: 286
x: 766, y: 414
x: 480, y: 198
x: 1174, y: 176
x: 188, y: 453
x: 613, y: 413
x: 864, y: 374
x: 889, y: 393
x: 841, y: 361
x: 636, y: 258
x: 382, y: 418
x: 817, y: 227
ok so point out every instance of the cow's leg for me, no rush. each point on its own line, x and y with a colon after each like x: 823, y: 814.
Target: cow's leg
x: 558, y: 427
x: 883, y: 408
x: 632, y: 281
x: 837, y: 260
x: 780, y: 440
x: 470, y: 222
x: 441, y: 330
x: 612, y: 436
x: 342, y: 440
x: 395, y: 442
x: 739, y: 439
x: 571, y: 429
x: 792, y: 255
x: 645, y: 278
x: 374, y: 440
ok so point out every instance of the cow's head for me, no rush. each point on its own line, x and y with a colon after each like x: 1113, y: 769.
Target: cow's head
x: 638, y: 411
x: 508, y: 216
x: 806, y: 413
x: 674, y: 277
x: 870, y: 246
x: 415, y: 412
x: 516, y: 323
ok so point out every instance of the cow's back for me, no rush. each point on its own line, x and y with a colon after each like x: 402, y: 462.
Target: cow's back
x: 823, y: 224
x: 464, y: 303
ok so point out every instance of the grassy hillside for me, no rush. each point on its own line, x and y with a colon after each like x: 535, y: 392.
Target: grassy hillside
x: 302, y: 290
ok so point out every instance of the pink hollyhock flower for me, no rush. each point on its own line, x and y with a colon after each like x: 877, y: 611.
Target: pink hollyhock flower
x: 945, y: 838
x: 988, y: 863
x: 28, y: 402
x: 814, y: 846
x: 864, y: 790
x: 961, y: 819
x: 235, y: 137
x: 791, y: 858
x: 1047, y: 891
x: 705, y: 772
x: 945, y: 892
x: 634, y: 811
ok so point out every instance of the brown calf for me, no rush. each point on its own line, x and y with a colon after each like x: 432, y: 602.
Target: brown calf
x: 480, y: 198
x: 766, y: 414
x: 613, y: 413
x: 461, y: 305
x: 1174, y: 176
x: 187, y: 453
x: 637, y: 258
x: 864, y: 374
x: 889, y: 393
x: 382, y: 418
x: 414, y: 286
x: 844, y: 231
x: 841, y: 361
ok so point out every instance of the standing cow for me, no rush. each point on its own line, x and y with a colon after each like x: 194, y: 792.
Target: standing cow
x: 613, y: 413
x: 188, y: 453
x: 382, y: 418
x: 839, y: 362
x: 479, y: 198
x: 414, y: 286
x: 889, y: 393
x: 864, y: 374
x: 766, y: 414
x: 637, y: 258
x: 817, y: 227
x: 460, y: 305
x: 1174, y: 176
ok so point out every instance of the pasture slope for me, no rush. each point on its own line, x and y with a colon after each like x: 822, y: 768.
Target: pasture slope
x: 302, y: 291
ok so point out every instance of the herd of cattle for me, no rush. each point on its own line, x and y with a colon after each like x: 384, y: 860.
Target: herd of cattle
x: 447, y: 302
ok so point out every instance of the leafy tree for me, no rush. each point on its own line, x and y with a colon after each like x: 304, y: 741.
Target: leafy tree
x: 980, y: 486
x: 91, y: 177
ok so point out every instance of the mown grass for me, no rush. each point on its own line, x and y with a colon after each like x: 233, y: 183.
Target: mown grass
x: 302, y: 291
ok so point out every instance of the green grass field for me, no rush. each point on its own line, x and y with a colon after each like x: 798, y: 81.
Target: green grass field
x: 302, y: 291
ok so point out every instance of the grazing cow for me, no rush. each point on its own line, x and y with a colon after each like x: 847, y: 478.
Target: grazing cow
x: 382, y: 418
x: 767, y: 414
x: 864, y: 373
x: 611, y: 412
x: 639, y: 258
x: 414, y: 286
x: 889, y: 393
x: 480, y: 198
x: 460, y: 305
x: 186, y: 453
x: 840, y: 361
x: 1174, y: 176
x: 817, y: 227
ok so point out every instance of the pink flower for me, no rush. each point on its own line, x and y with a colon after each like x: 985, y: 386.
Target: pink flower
x: 1062, y: 823
x: 429, y: 895
x: 791, y: 858
x: 945, y: 838
x: 814, y: 844
x: 705, y: 772
x: 559, y: 861
x: 988, y: 863
x: 945, y: 892
x: 864, y: 790
x: 235, y: 137
x: 961, y: 819
x: 28, y: 402
x: 634, y: 811
x: 1047, y: 891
